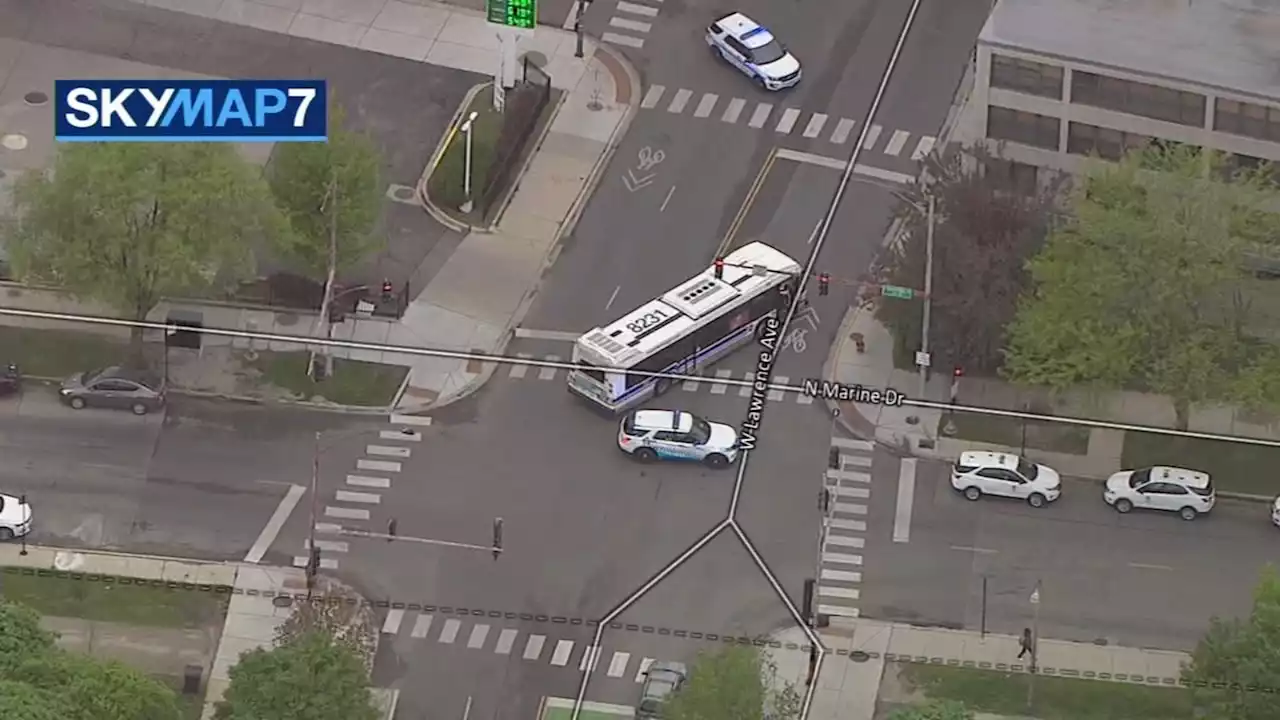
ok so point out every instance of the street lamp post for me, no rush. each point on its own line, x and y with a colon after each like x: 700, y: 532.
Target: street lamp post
x: 928, y: 296
x: 467, y: 204
x: 1035, y: 643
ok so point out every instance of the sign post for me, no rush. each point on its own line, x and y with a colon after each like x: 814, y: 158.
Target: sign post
x: 512, y: 17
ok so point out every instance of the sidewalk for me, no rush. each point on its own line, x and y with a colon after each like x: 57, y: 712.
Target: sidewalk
x: 852, y: 672
x: 480, y: 295
x: 252, y: 616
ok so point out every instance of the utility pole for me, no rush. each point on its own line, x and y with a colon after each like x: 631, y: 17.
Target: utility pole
x: 311, y: 533
x: 1035, y: 644
x: 928, y: 297
x: 331, y: 200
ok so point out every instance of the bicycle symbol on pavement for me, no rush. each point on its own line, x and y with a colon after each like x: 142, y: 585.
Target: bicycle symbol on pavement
x: 795, y: 340
x: 649, y: 157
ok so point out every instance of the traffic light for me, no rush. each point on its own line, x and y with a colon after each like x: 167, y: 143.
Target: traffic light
x: 824, y: 284
x: 833, y: 459
x: 719, y: 268
x: 497, y: 537
x: 958, y: 372
x: 806, y: 601
x: 386, y: 292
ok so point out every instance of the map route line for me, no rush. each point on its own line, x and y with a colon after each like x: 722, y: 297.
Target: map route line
x: 816, y: 388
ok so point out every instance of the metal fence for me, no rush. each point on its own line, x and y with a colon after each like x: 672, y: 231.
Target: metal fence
x: 524, y: 105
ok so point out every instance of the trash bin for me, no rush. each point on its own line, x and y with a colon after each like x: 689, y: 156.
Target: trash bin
x: 184, y: 329
x: 191, y: 676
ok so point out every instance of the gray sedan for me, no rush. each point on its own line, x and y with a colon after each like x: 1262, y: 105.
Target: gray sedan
x: 114, y: 387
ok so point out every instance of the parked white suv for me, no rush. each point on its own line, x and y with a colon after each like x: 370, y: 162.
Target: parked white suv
x: 1275, y: 512
x: 1186, y: 492
x: 988, y: 473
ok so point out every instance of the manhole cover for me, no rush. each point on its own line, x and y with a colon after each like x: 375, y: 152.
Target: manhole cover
x: 282, y: 601
x: 14, y: 142
x: 536, y: 59
x: 35, y: 98
x: 859, y: 656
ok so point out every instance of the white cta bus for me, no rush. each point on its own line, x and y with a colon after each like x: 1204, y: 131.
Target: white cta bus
x: 697, y: 323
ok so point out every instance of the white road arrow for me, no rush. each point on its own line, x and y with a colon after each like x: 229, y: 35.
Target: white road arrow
x: 634, y: 183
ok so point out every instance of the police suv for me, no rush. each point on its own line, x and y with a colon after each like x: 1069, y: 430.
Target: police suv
x: 746, y: 45
x: 649, y: 435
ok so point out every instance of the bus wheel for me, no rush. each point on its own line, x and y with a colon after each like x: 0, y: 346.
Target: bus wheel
x: 661, y: 386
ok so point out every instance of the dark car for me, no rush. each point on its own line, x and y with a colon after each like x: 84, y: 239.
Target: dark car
x: 115, y: 387
x: 661, y: 680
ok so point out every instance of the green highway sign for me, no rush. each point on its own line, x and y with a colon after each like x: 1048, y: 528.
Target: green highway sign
x: 895, y: 291
x: 513, y: 13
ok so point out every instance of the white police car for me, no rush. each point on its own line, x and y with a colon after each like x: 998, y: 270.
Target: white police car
x: 649, y: 435
x: 744, y: 44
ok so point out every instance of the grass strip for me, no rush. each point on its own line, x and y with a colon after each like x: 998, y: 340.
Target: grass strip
x: 354, y: 382
x: 78, y: 596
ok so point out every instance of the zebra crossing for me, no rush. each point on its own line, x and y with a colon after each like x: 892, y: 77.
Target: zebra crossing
x: 845, y: 527
x: 361, y: 492
x: 513, y: 642
x: 631, y: 19
x: 815, y: 125
x: 714, y: 383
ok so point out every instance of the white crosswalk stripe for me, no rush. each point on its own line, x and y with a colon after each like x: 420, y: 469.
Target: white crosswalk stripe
x: 388, y: 451
x: 627, y: 40
x: 841, y: 134
x: 923, y: 148
x: 450, y: 632
x: 391, y: 625
x: 625, y: 24
x: 518, y: 370
x: 328, y: 546
x: 560, y: 656
x: 506, y: 639
x: 548, y: 373
x: 759, y: 115
x: 734, y: 109
x: 378, y: 465
x: 325, y: 563
x: 815, y: 125
x: 706, y: 105
x: 421, y: 626
x: 368, y: 481
x: 346, y: 513
x: 679, y: 101
x: 347, y: 496
x: 478, y: 635
x: 840, y: 561
x: 652, y: 96
x: 896, y: 142
x: 533, y: 647
x: 787, y: 121
x: 635, y: 9
x: 873, y: 134
x: 720, y: 388
x: 643, y: 669
x: 405, y: 435
x: 618, y: 665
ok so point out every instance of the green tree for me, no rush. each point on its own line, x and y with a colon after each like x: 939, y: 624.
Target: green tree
x: 99, y: 689
x: 21, y: 637
x: 1136, y: 290
x: 1244, y: 655
x: 312, y: 677
x: 985, y: 231
x: 25, y: 702
x: 129, y: 223
x: 934, y: 710
x: 332, y: 194
x: 733, y: 683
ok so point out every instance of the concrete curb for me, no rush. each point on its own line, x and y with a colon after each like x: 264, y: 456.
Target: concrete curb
x: 434, y: 210
x: 567, y: 226
x: 251, y: 400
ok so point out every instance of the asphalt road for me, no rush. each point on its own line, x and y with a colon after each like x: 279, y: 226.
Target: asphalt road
x: 199, y: 480
x: 404, y: 105
x: 1143, y: 579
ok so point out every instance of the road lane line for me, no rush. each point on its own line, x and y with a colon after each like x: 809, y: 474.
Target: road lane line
x: 479, y: 634
x: 387, y: 451
x: 706, y: 105
x: 896, y: 141
x: 560, y: 656
x: 506, y: 639
x: 358, y: 497
x: 759, y: 115
x: 612, y: 297
x: 732, y: 112
x: 518, y: 370
x: 842, y: 558
x: 841, y: 575
x: 450, y: 632
x: 850, y: 444
x: 627, y: 40
x: 533, y: 646
x: 556, y: 335
x: 652, y: 96
x: 346, y: 513
x: 421, y: 626
x: 634, y: 9
x: 618, y: 664
x: 846, y: 541
x: 632, y: 25
x: 873, y: 134
x: 548, y: 373
x: 666, y: 200
x: 679, y: 101
x: 815, y: 125
x: 391, y: 625
x: 788, y: 121
x: 416, y: 420
x: 776, y: 395
x: 838, y: 611
x: 401, y: 435
x: 720, y: 389
x: 271, y: 530
x: 644, y: 669
x: 862, y: 461
x: 923, y: 148
x: 368, y: 481
x: 378, y: 465
x: 846, y: 593
x: 906, y: 496
x: 336, y: 546
x: 841, y: 133
x: 980, y: 551
x: 1146, y: 566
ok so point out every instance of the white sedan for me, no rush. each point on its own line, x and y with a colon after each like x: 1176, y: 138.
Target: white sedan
x: 15, y: 517
x: 1275, y: 512
x: 978, y: 473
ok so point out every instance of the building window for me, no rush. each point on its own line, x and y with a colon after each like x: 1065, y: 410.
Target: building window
x: 1246, y: 163
x: 1017, y: 177
x: 1106, y: 143
x: 1021, y: 127
x: 1025, y: 76
x: 1135, y: 98
x: 1247, y: 119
